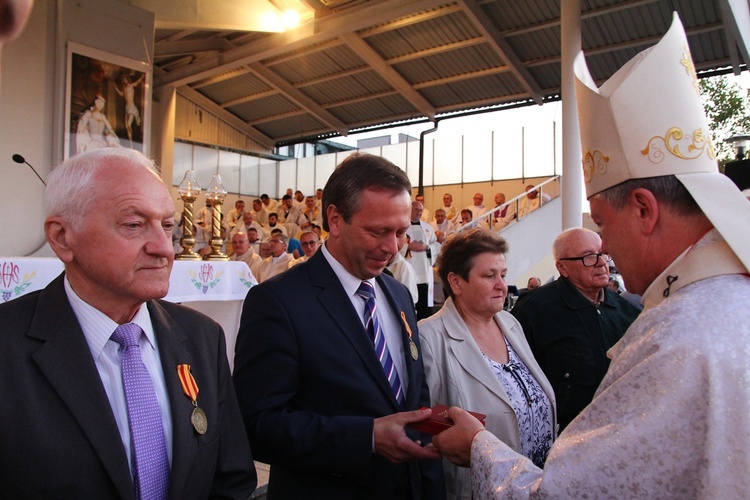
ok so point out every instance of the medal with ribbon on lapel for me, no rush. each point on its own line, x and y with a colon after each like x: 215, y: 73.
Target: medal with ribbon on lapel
x: 412, y: 345
x: 190, y: 388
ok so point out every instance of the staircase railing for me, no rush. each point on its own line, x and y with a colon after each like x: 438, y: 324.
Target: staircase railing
x: 488, y: 219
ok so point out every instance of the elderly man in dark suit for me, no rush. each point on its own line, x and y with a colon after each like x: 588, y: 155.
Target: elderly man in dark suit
x: 572, y: 322
x: 108, y: 392
x: 323, y: 380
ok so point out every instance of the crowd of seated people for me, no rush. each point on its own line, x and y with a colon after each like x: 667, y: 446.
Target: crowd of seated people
x: 270, y: 238
x: 298, y: 217
x: 448, y: 218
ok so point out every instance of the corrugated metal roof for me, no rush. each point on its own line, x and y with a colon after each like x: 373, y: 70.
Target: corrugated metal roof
x: 229, y: 89
x: 369, y: 62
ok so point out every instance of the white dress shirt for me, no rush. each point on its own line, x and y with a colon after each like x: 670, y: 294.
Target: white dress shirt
x: 387, y: 318
x: 98, y: 329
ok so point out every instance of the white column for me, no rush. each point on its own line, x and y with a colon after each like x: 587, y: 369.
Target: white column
x: 162, y: 126
x: 572, y: 172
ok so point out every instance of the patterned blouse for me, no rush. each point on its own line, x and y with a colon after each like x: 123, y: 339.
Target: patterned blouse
x: 530, y: 404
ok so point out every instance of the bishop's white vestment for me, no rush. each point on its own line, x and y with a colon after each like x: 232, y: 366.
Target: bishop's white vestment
x: 671, y: 419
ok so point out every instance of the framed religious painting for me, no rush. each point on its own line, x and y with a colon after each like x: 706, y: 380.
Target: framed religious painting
x: 108, y: 101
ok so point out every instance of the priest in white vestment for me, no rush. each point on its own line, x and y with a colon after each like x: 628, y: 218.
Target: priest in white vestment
x: 671, y: 419
x: 421, y: 250
x: 278, y: 261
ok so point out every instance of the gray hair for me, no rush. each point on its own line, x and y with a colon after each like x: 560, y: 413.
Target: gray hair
x: 317, y: 238
x: 71, y: 185
x: 280, y: 234
x: 666, y: 189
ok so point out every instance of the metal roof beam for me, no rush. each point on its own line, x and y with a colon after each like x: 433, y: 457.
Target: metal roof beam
x: 183, y: 47
x: 477, y: 16
x: 324, y: 29
x: 403, y: 22
x: 354, y: 100
x: 462, y: 77
x: 448, y: 47
x: 381, y: 28
x: 394, y: 119
x: 309, y: 133
x: 298, y: 97
x: 378, y: 121
x: 600, y: 11
x: 175, y: 63
x: 280, y: 116
x: 333, y: 76
x: 408, y: 57
x: 736, y: 16
x: 220, y: 78
x: 390, y: 75
x: 493, y: 101
x: 328, y: 45
x: 630, y: 44
x: 318, y: 7
x: 178, y: 35
x: 250, y: 97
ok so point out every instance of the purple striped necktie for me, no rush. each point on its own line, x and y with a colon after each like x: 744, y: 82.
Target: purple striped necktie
x: 148, y: 445
x: 372, y: 326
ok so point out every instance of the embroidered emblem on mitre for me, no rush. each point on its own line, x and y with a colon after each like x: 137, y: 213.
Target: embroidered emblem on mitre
x: 647, y: 120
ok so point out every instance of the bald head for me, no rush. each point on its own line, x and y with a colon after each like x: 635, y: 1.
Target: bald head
x: 569, y: 241
x: 588, y: 275
x: 240, y: 243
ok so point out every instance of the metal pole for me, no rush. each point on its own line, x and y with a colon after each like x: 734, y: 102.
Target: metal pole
x: 572, y: 173
x: 420, y: 187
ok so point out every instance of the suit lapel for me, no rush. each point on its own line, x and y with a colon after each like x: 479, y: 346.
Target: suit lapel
x: 173, y: 351
x: 65, y: 360
x: 334, y: 300
x: 468, y: 354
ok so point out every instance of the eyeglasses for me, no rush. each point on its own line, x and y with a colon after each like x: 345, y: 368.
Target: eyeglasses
x: 590, y: 260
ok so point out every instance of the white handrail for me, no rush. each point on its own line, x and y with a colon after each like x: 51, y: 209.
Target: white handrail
x: 516, y: 200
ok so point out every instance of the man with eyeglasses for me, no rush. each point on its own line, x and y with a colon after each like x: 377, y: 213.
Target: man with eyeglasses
x: 572, y: 322
x: 309, y: 242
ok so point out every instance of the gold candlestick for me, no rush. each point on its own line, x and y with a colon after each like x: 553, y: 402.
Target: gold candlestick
x: 215, y: 194
x: 189, y: 191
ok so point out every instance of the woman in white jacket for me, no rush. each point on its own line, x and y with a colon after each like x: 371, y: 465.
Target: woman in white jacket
x: 476, y: 355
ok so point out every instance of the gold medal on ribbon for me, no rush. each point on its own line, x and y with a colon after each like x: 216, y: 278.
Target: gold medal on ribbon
x: 412, y: 344
x: 190, y: 388
x: 199, y: 420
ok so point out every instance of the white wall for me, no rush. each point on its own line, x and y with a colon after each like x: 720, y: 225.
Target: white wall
x: 530, y: 244
x: 26, y: 108
x: 32, y: 99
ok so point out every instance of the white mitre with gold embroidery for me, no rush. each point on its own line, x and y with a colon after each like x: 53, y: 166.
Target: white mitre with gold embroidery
x: 647, y: 120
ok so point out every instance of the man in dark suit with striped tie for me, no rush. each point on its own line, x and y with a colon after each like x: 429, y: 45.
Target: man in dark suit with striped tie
x: 327, y: 384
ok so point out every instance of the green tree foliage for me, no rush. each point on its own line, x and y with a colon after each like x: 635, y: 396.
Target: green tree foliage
x: 727, y: 107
